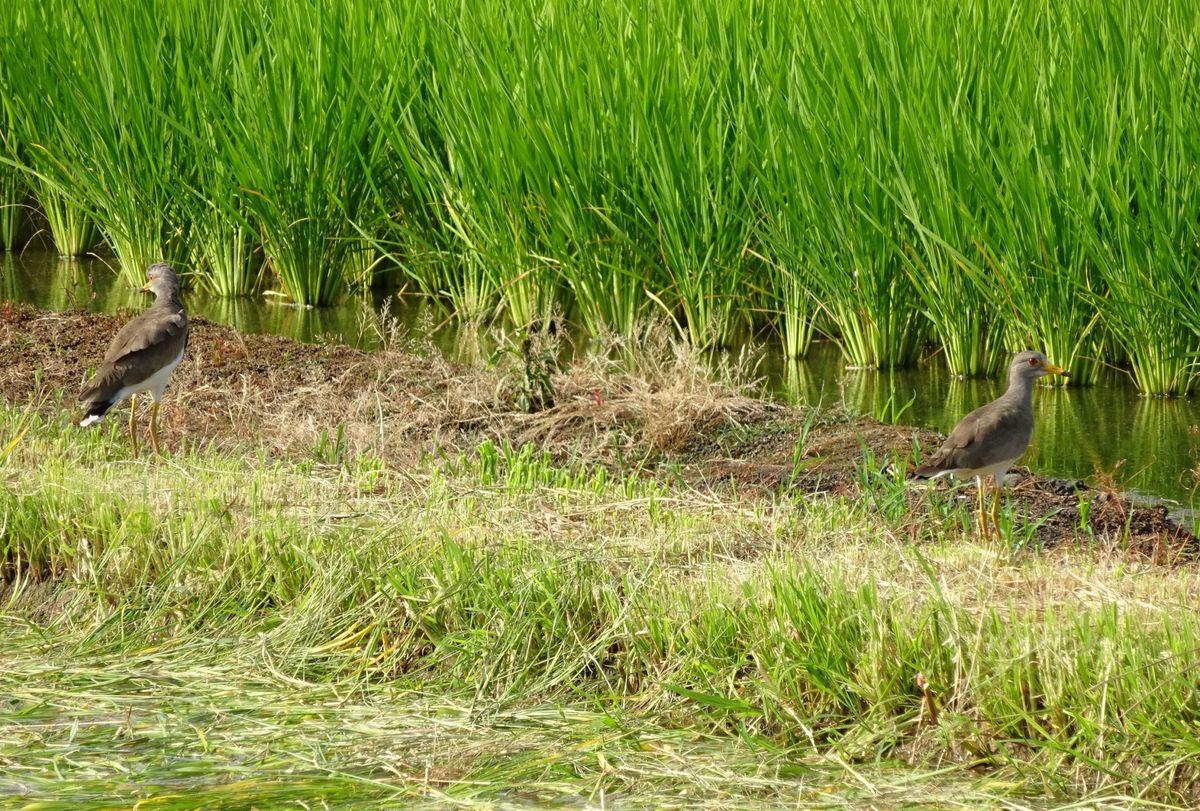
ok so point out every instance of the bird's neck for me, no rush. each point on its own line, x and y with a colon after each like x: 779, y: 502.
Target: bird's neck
x: 168, y: 299
x: 1020, y: 388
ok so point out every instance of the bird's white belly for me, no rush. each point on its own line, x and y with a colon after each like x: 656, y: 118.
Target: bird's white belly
x: 996, y: 470
x: 155, y: 383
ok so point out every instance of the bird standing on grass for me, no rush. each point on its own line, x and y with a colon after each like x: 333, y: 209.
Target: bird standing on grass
x: 142, y: 356
x: 987, y: 441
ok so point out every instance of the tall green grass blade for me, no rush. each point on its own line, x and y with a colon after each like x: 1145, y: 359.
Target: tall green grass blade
x: 300, y: 134
x: 71, y: 228
x: 13, y: 194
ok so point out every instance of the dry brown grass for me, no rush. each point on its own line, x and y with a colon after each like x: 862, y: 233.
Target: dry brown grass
x: 395, y: 402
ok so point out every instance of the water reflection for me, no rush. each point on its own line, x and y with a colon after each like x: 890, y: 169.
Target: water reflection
x: 346, y: 323
x: 45, y: 280
x: 54, y: 283
x: 796, y: 380
x: 1103, y: 432
x: 1165, y: 428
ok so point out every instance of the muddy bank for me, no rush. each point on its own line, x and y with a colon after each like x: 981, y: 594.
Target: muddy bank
x: 664, y: 415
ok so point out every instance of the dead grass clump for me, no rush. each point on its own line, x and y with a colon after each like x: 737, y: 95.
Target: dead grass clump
x: 620, y: 403
x: 648, y: 401
x: 617, y: 401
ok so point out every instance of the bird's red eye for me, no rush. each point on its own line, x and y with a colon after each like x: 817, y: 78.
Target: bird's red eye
x: 1033, y: 361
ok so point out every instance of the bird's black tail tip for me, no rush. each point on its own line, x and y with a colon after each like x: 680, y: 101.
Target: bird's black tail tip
x: 94, y: 412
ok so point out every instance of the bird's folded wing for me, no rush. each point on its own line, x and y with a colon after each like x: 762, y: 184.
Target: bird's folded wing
x: 150, y: 329
x: 980, y: 435
x: 141, y: 348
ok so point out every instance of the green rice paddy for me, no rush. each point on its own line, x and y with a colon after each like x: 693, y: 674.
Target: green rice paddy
x: 236, y: 625
x: 907, y: 178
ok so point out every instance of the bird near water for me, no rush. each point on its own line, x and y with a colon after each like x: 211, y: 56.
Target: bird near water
x: 987, y: 442
x: 141, y: 356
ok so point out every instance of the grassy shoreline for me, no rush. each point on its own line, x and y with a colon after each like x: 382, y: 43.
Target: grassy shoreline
x: 499, y: 626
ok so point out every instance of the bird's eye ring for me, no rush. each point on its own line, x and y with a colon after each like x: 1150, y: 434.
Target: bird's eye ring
x: 1033, y: 361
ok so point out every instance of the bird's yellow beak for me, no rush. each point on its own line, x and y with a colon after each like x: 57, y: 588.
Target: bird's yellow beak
x: 146, y: 287
x: 1051, y: 369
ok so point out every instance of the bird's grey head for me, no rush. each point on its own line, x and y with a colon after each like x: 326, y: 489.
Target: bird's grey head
x: 161, y: 280
x: 1032, y: 365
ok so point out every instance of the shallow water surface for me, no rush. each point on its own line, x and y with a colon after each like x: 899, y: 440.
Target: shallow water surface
x: 1106, y: 434
x: 44, y: 280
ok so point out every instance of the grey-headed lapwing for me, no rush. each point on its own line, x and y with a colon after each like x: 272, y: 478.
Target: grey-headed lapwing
x: 987, y: 441
x: 142, y: 356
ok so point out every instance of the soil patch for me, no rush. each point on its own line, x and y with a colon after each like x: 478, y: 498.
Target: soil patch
x: 662, y: 413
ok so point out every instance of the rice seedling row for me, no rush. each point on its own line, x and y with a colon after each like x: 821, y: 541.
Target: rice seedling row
x: 907, y: 180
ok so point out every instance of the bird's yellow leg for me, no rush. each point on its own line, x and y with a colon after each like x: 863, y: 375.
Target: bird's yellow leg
x: 133, y: 424
x: 996, y: 511
x: 981, y: 512
x: 154, y: 428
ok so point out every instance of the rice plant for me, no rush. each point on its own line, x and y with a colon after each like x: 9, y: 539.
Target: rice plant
x: 12, y: 207
x: 692, y: 199
x: 930, y: 189
x: 8, y: 278
x: 794, y: 309
x: 223, y: 238
x: 830, y: 215
x: 508, y: 181
x: 493, y: 201
x: 14, y: 189
x: 1040, y: 197
x: 1145, y: 237
x: 31, y: 171
x: 225, y: 254
x: 72, y: 229
x: 108, y: 140
x: 889, y: 174
x: 526, y: 188
x: 421, y: 228
x: 299, y: 137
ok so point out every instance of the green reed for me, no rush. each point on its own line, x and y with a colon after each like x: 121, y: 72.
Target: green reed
x: 694, y: 187
x: 829, y: 216
x: 223, y: 238
x: 889, y: 174
x: 14, y: 189
x: 1145, y: 241
x: 100, y: 99
x: 299, y: 137
x: 13, y: 193
x: 73, y: 231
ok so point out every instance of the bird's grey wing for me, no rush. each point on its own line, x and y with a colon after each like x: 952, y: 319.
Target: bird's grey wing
x: 145, y: 330
x: 987, y: 435
x: 957, y: 445
x: 136, y: 354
